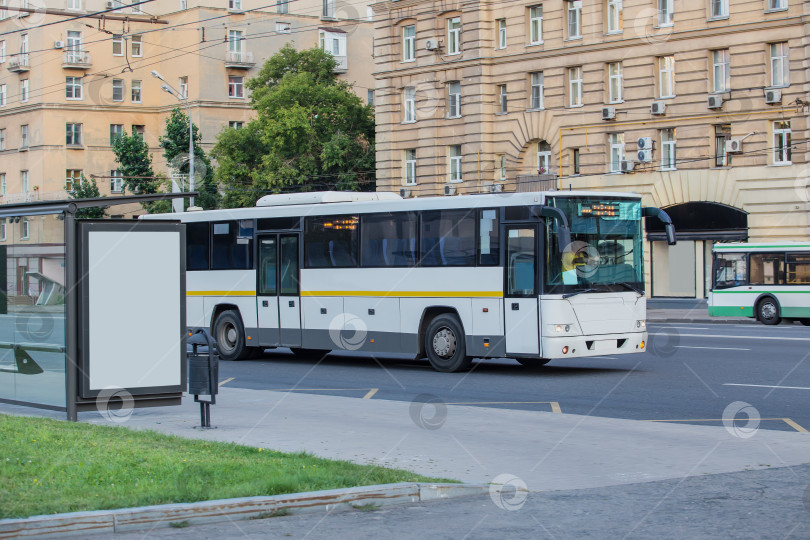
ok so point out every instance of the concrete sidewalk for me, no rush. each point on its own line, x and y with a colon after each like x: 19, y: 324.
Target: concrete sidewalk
x: 686, y: 310
x: 546, y: 451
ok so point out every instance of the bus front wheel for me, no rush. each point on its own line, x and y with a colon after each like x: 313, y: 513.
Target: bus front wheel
x: 768, y: 311
x: 445, y: 345
x: 229, y: 333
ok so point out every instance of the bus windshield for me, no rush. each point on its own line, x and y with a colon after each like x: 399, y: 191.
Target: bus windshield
x: 605, y: 253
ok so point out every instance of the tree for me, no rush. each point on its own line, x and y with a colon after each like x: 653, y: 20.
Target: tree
x: 135, y: 164
x: 87, y: 189
x: 175, y: 150
x: 311, y: 133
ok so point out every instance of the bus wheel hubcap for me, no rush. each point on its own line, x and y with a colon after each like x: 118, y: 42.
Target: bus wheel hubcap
x: 444, y: 343
x: 768, y: 311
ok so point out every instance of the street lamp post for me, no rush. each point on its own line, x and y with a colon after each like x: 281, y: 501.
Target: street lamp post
x: 166, y: 87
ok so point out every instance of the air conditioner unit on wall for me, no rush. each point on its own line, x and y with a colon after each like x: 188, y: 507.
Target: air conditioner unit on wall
x: 773, y: 96
x: 449, y: 190
x: 645, y: 156
x: 496, y: 188
x: 715, y: 102
x: 109, y: 5
x: 431, y: 44
x: 734, y: 146
x: 645, y: 143
x: 404, y: 193
x: 58, y: 44
x: 608, y: 113
x: 658, y: 107
x: 628, y: 165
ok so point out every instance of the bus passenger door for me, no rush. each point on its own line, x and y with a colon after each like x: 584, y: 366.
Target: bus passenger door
x: 521, y: 313
x: 267, y: 291
x: 289, y: 300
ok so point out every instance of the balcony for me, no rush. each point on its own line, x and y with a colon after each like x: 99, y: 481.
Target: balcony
x: 342, y: 64
x: 239, y: 60
x: 76, y: 60
x: 18, y: 63
x: 34, y: 196
x: 536, y: 182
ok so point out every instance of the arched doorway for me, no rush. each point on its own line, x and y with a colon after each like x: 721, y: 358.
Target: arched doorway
x: 684, y: 270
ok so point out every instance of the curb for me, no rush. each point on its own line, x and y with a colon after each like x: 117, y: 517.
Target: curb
x: 745, y: 320
x: 162, y: 516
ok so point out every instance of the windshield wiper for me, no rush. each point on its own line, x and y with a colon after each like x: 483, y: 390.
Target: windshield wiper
x: 626, y: 284
x: 569, y: 295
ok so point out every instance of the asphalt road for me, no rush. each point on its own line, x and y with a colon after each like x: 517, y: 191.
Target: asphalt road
x: 691, y: 373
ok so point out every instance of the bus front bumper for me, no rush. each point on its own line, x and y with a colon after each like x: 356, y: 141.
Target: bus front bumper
x: 606, y: 344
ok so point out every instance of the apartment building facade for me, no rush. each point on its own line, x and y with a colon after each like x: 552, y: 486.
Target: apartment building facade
x: 699, y: 105
x: 72, y: 79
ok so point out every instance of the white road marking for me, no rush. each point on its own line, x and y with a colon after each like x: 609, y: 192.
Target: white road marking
x: 712, y: 348
x: 769, y: 386
x: 226, y: 381
x: 370, y: 393
x: 772, y: 338
x: 678, y: 327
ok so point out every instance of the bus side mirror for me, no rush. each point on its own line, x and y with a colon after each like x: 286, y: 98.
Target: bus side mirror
x: 669, y: 228
x: 563, y: 230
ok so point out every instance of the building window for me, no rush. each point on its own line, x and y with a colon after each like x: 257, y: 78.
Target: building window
x: 138, y: 130
x: 235, y: 38
x: 501, y: 25
x: 502, y: 98
x: 409, y: 104
x: 3, y: 220
x: 777, y: 5
x: 183, y: 4
x: 575, y: 160
x: 25, y: 226
x: 3, y: 139
x: 721, y: 71
x: 665, y: 13
x: 118, y: 45
x: 73, y: 177
x: 668, y: 155
x: 370, y: 97
x: 409, y: 43
x: 535, y: 25
x: 501, y: 167
x: 722, y: 133
x: 118, y: 90
x: 73, y: 87
x: 2, y: 51
x: 116, y: 130
x: 329, y: 9
x: 536, y: 95
x: 3, y: 94
x: 454, y: 35
x: 74, y: 4
x: 24, y: 136
x: 410, y: 167
x: 3, y: 184
x: 575, y: 86
x: 454, y: 99
x: 615, y: 82
x: 614, y: 16
x: 780, y: 64
x: 616, y: 151
x: 781, y: 143
x: 666, y: 76
x: 282, y: 6
x: 24, y: 90
x: 236, y: 87
x: 182, y: 87
x: 333, y: 42
x: 73, y: 135
x: 137, y: 46
x: 236, y: 125
x: 574, y: 19
x: 543, y: 157
x: 719, y: 9
x: 455, y: 163
x: 24, y: 181
x: 116, y: 182
x: 283, y: 27
x: 234, y: 4
x: 137, y: 96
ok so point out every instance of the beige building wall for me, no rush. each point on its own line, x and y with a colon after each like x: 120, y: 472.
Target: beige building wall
x: 190, y: 43
x: 759, y: 181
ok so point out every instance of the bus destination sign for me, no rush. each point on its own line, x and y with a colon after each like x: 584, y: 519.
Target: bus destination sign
x: 601, y: 209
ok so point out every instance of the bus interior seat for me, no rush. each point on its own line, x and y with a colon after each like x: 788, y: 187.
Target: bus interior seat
x: 339, y: 255
x: 385, y: 252
x: 315, y: 255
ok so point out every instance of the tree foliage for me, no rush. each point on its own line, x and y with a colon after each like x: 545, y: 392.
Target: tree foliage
x: 175, y: 150
x: 87, y: 189
x: 311, y: 133
x: 135, y: 165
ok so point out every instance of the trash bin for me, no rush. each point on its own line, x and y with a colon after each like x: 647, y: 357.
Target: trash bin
x: 203, y: 373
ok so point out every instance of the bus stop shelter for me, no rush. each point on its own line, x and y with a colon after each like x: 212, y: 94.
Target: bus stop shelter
x: 92, y: 312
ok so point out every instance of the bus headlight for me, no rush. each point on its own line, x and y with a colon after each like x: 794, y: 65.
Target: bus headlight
x: 559, y: 328
x: 641, y: 324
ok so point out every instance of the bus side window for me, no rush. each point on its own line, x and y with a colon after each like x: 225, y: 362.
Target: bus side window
x: 798, y: 269
x: 232, y: 245
x: 767, y: 269
x: 197, y: 240
x: 388, y: 240
x: 448, y: 238
x: 331, y: 241
x: 488, y: 238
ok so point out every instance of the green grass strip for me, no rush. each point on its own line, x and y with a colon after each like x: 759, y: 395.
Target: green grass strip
x: 49, y: 466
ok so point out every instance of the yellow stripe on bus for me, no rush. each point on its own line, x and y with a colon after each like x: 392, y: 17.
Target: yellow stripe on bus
x: 220, y: 293
x: 432, y: 294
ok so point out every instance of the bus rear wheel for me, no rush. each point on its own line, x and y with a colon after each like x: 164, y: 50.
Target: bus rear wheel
x: 445, y: 345
x: 768, y: 311
x: 533, y: 362
x: 229, y: 333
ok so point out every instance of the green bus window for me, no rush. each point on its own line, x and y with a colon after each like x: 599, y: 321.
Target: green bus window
x: 767, y: 268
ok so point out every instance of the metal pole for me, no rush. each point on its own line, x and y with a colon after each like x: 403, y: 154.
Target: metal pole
x: 190, y: 150
x: 71, y: 317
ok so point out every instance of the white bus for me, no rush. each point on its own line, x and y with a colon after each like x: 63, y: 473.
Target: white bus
x: 770, y: 282
x: 529, y: 276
